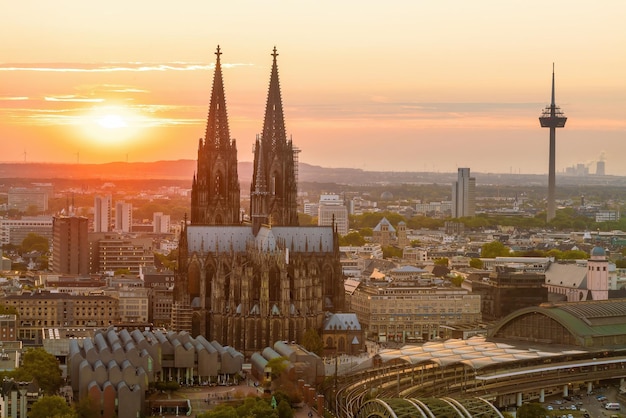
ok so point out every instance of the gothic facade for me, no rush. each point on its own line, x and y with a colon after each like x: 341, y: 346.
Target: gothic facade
x: 249, y: 284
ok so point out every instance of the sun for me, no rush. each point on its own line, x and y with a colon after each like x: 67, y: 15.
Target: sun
x: 112, y: 125
x: 112, y: 121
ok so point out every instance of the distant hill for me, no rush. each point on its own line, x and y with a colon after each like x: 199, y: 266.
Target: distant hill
x: 183, y: 170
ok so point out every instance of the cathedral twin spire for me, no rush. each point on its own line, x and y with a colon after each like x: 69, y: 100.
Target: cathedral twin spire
x: 215, y: 196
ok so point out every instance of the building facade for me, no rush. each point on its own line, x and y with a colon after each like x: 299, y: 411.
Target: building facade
x: 123, y: 216
x: 102, y: 213
x: 249, y: 285
x: 70, y: 245
x: 464, y: 194
x: 333, y: 212
x: 410, y: 313
x: 13, y: 231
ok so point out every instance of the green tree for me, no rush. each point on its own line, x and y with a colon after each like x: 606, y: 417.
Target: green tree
x: 531, y: 410
x: 352, y: 238
x: 575, y: 255
x: 220, y: 411
x: 122, y: 272
x: 443, y: 261
x: 284, y: 409
x: 456, y: 281
x: 278, y: 366
x: 390, y: 252
x: 494, y: 249
x: 34, y: 242
x: 51, y: 407
x: 312, y: 341
x: 42, y: 366
x: 476, y: 263
x: 304, y: 219
x: 84, y: 408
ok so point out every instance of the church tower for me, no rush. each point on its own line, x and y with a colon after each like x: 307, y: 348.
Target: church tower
x: 215, y: 194
x: 274, y: 186
x: 598, y: 274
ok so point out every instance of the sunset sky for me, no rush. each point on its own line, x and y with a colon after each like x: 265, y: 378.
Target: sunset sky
x: 395, y: 86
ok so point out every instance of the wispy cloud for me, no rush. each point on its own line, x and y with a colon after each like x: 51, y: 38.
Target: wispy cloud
x: 72, y: 98
x: 113, y: 67
x: 14, y: 98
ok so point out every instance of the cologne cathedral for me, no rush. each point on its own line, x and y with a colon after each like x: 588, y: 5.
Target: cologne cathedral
x: 247, y: 282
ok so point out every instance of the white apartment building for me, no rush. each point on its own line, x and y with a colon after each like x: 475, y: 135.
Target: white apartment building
x: 102, y: 214
x: 332, y: 210
x: 123, y: 216
x: 160, y: 223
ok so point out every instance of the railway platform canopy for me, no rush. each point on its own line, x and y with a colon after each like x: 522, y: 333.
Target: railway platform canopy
x: 530, y: 335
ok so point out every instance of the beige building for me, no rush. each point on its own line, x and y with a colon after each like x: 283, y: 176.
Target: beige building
x: 407, y: 313
x: 48, y: 310
x: 332, y: 212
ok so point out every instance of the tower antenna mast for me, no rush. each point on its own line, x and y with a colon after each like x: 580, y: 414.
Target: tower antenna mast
x: 552, y: 117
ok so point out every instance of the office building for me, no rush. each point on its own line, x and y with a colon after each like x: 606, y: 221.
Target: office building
x: 13, y: 231
x: 25, y: 199
x: 464, y: 194
x: 331, y: 211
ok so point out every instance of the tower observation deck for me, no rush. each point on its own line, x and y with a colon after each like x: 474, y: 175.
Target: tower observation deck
x: 552, y: 117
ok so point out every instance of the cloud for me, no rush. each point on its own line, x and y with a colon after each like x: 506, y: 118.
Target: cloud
x: 72, y: 98
x: 113, y: 67
x: 10, y: 99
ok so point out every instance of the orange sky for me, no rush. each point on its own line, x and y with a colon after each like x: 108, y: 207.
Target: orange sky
x: 403, y: 86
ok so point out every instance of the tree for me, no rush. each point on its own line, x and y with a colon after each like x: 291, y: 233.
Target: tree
x: 390, y: 252
x: 494, y: 249
x: 312, y: 341
x: 278, y: 366
x: 443, y: 261
x: 352, y: 238
x: 51, y: 407
x: 476, y: 263
x: 456, y: 280
x: 85, y: 408
x: 284, y: 409
x: 220, y: 411
x: 42, y: 366
x: 531, y: 410
x: 34, y: 242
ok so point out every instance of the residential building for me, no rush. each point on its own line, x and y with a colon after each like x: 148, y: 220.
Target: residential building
x: 464, y: 194
x: 102, y: 214
x: 123, y: 216
x: 160, y: 223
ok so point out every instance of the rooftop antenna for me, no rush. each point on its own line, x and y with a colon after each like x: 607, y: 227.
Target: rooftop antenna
x: 24, y: 155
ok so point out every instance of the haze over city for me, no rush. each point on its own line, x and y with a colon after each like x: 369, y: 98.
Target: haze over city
x: 404, y: 86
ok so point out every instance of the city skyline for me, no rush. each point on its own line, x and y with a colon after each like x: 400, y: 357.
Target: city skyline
x: 434, y: 87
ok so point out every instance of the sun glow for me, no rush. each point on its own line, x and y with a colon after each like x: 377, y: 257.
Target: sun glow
x: 112, y: 125
x: 112, y: 122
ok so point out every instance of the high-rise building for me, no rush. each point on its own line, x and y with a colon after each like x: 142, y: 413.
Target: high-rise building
x: 600, y: 170
x: 332, y: 212
x: 123, y: 216
x: 25, y: 198
x: 464, y: 194
x: 70, y: 246
x: 249, y: 285
x: 102, y: 214
x: 160, y: 223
